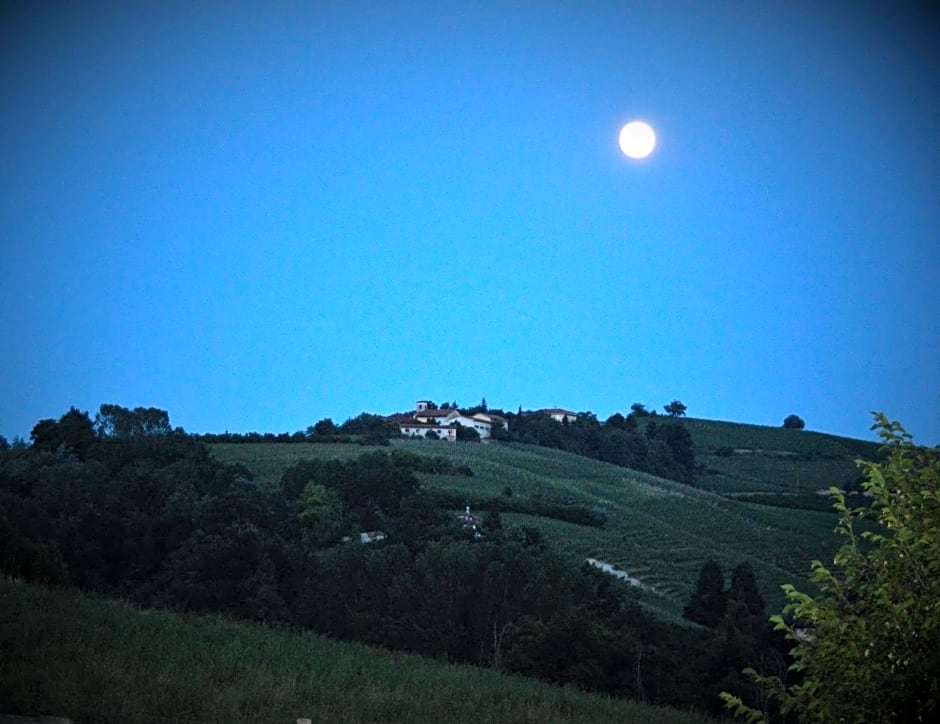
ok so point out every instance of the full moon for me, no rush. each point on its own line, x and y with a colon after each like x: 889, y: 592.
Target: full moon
x: 637, y: 139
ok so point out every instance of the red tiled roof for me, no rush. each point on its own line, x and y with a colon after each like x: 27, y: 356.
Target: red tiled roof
x: 558, y: 411
x: 400, y: 417
x: 489, y: 417
x: 433, y: 413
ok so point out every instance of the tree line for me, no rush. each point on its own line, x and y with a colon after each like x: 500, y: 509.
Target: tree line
x: 648, y: 443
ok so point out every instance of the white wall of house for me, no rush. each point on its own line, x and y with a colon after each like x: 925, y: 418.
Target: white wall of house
x: 561, y: 415
x: 491, y: 420
x: 444, y: 421
x: 482, y: 428
x: 447, y: 433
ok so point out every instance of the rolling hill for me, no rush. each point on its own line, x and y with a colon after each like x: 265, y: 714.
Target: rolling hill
x: 755, y: 499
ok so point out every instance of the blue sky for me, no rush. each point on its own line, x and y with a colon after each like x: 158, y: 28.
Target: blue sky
x: 257, y: 215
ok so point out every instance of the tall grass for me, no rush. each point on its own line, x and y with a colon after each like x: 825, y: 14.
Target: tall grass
x: 69, y: 654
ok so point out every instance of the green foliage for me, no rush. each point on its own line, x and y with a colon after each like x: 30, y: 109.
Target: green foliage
x: 325, y: 427
x: 437, y: 464
x: 366, y: 424
x: 119, y: 422
x: 679, y: 441
x: 867, y: 646
x: 73, y: 433
x: 666, y: 451
x: 708, y: 601
x: 468, y: 434
x: 746, y: 607
x: 322, y: 513
x: 793, y: 422
x: 741, y: 606
x: 368, y: 488
x: 675, y: 409
x: 616, y: 420
x: 375, y: 438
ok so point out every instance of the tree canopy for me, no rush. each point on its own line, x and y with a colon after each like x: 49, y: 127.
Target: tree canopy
x: 119, y: 422
x: 793, y: 422
x: 675, y: 409
x: 867, y: 646
x: 73, y: 433
x: 708, y: 601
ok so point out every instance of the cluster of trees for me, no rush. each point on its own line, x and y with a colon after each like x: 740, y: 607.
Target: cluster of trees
x: 737, y: 615
x: 793, y: 422
x: 866, y: 646
x: 366, y: 429
x: 639, y: 441
x: 711, y: 604
x: 505, y: 602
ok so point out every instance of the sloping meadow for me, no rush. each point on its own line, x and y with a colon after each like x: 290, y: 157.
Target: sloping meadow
x: 73, y: 655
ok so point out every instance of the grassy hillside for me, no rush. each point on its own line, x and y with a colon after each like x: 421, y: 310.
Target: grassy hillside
x: 657, y: 530
x: 74, y: 655
x: 752, y: 458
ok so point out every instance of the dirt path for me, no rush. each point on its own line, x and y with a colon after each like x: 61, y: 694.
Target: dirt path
x: 617, y: 573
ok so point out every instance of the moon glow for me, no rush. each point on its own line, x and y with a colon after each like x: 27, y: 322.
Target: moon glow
x: 637, y: 139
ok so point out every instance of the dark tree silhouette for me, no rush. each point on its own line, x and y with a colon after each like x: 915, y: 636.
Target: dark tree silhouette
x: 708, y: 601
x: 794, y: 422
x: 675, y: 409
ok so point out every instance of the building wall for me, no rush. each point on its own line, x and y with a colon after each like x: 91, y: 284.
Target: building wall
x: 424, y: 418
x: 422, y: 431
x: 483, y: 428
x: 491, y: 420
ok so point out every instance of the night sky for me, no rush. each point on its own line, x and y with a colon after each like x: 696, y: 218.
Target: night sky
x: 256, y: 215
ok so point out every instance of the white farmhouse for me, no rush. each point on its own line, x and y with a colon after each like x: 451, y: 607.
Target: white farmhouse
x: 420, y: 429
x: 560, y: 415
x: 445, y: 421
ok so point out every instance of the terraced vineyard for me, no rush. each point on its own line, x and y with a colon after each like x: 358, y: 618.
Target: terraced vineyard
x: 657, y: 530
x: 754, y: 458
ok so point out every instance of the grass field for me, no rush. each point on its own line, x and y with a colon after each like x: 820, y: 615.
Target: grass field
x: 754, y: 458
x: 74, y: 655
x: 658, y: 530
